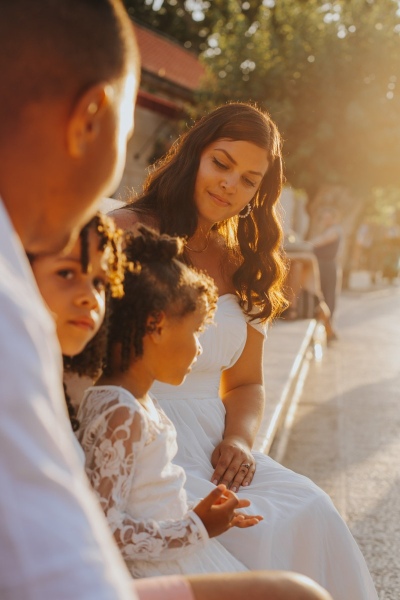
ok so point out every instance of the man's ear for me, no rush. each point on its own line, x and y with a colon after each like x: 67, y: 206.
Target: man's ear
x: 155, y: 326
x: 86, y: 119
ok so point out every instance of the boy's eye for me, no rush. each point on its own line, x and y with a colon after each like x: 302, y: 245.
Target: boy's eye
x: 65, y: 273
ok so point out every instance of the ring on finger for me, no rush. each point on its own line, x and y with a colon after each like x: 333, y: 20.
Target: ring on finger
x: 246, y: 465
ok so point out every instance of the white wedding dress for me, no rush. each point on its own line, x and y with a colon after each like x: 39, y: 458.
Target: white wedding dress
x: 301, y: 530
x: 128, y: 454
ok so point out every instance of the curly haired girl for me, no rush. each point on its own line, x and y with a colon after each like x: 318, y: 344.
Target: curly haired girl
x: 128, y: 440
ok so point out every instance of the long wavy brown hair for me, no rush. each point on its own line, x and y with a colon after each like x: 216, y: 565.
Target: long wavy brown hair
x: 255, y: 242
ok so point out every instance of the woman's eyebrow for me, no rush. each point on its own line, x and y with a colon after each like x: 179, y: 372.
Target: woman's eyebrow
x: 233, y: 161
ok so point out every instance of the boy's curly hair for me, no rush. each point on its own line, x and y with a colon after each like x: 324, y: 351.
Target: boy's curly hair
x: 158, y: 282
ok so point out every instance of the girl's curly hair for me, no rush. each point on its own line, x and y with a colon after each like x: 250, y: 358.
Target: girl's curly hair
x: 159, y: 282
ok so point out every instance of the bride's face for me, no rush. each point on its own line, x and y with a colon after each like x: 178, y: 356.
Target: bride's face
x: 229, y: 175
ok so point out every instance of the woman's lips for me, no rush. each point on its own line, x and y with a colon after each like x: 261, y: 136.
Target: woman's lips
x: 218, y: 200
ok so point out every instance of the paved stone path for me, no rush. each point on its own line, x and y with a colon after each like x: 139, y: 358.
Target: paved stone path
x: 346, y: 432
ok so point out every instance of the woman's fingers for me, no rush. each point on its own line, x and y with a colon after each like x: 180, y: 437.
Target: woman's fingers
x: 234, y: 474
x: 225, y: 467
x: 244, y: 476
x: 229, y: 476
x: 233, y: 466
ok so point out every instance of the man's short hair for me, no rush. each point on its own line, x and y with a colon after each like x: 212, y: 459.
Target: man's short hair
x: 57, y: 48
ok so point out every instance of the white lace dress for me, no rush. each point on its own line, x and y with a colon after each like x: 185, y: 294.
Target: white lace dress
x: 301, y: 530
x: 128, y: 461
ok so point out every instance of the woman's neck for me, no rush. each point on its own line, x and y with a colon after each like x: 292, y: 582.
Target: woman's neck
x: 200, y: 240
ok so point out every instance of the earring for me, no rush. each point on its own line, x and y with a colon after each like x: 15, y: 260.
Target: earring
x: 249, y: 208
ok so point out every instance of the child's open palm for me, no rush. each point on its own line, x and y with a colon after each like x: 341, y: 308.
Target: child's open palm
x: 218, y: 511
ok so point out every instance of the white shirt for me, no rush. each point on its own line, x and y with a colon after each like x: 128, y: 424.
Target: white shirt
x: 54, y: 540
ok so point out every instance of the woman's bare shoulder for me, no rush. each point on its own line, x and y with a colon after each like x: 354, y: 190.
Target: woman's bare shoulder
x: 128, y: 219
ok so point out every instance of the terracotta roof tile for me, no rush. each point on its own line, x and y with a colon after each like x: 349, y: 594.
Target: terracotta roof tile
x: 162, y: 57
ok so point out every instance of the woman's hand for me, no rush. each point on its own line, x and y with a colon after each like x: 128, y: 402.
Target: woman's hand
x: 218, y: 511
x: 233, y: 464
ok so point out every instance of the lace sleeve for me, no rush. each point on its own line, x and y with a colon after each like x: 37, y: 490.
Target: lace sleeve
x: 112, y: 448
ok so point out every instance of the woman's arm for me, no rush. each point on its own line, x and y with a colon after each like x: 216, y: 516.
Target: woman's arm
x: 242, y: 392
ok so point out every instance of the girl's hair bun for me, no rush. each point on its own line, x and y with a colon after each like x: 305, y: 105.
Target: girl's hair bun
x: 148, y: 246
x: 156, y: 282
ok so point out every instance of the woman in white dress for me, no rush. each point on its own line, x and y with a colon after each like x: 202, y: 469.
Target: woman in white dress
x: 218, y: 186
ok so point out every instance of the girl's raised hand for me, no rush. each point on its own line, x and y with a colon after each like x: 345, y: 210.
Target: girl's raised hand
x: 218, y: 511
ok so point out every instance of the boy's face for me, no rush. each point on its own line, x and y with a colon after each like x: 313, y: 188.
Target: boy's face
x: 75, y: 299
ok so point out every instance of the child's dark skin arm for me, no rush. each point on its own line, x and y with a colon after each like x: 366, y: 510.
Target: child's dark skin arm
x: 218, y: 511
